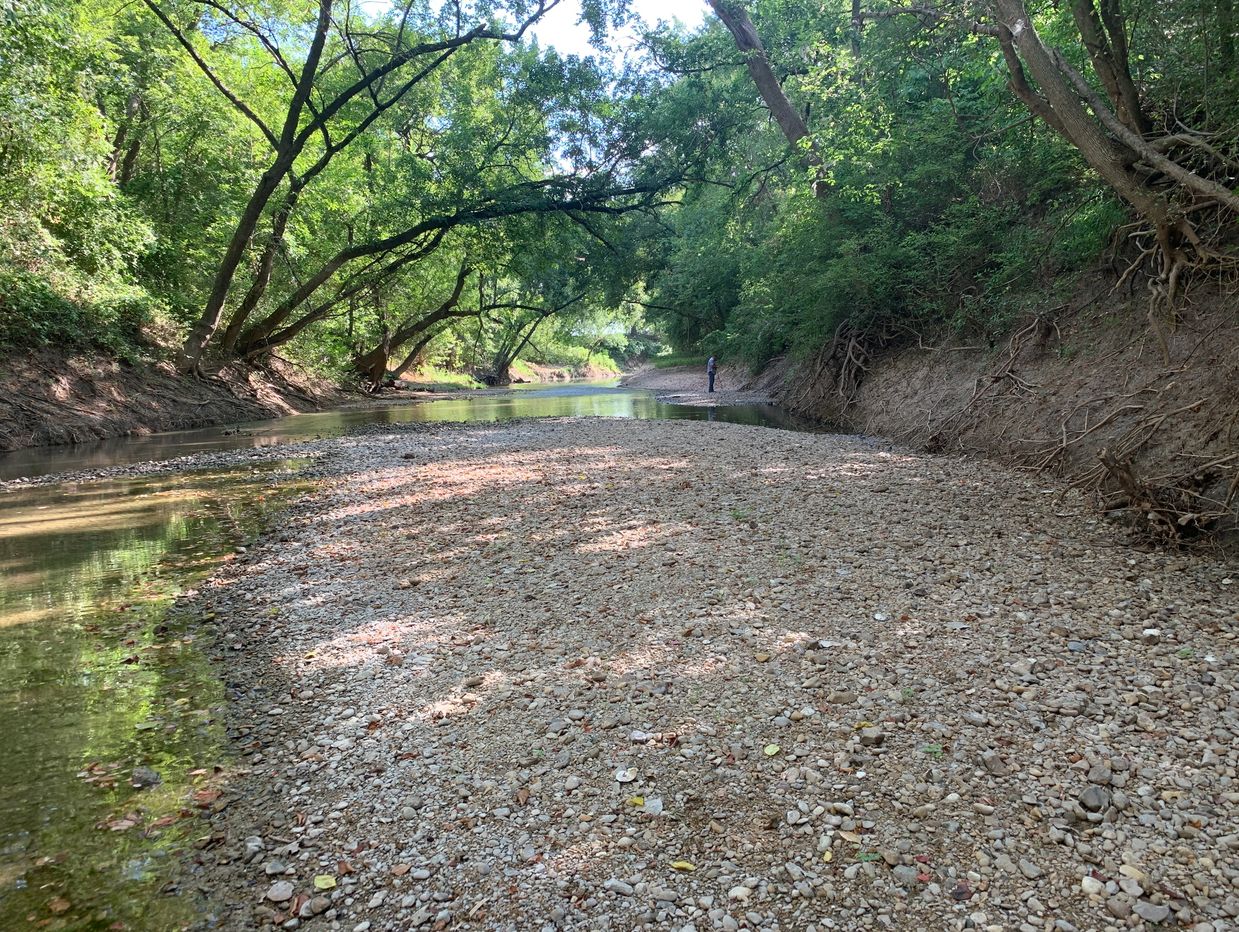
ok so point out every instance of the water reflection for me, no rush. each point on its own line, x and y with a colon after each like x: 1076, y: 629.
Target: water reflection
x: 97, y: 679
x: 575, y: 399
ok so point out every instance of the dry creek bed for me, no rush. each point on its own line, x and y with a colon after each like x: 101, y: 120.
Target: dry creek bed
x: 605, y: 674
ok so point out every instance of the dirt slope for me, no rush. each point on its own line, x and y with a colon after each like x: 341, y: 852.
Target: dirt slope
x: 1093, y: 377
x: 50, y: 398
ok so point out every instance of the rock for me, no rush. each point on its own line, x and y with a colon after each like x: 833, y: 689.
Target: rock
x: 315, y: 906
x: 905, y: 875
x: 1151, y: 912
x: 618, y: 886
x: 280, y: 892
x: 1029, y: 869
x: 841, y: 697
x: 993, y: 762
x: 143, y: 777
x: 1099, y: 774
x: 1095, y: 799
x: 1092, y: 886
x: 872, y: 737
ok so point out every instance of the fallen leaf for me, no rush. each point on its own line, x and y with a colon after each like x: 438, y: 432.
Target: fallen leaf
x: 59, y: 905
x: 850, y: 836
x: 684, y: 865
x: 771, y: 749
x: 206, y: 796
x: 828, y: 856
x: 325, y: 882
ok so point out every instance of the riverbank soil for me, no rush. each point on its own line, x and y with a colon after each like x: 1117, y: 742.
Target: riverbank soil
x: 1097, y: 377
x: 686, y: 385
x: 52, y: 398
x: 576, y: 674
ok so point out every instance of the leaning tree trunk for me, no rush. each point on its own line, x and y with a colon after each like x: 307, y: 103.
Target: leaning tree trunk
x: 794, y: 128
x: 415, y: 353
x: 372, y: 366
x: 1110, y: 161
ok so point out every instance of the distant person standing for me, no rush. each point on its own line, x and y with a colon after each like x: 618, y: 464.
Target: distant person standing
x: 711, y: 369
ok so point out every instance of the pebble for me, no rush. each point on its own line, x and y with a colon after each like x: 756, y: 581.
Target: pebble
x: 580, y: 687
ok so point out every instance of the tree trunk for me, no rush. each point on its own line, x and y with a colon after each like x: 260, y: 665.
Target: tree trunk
x: 262, y: 277
x: 1107, y: 158
x: 416, y: 351
x: 208, y: 321
x: 1107, y: 49
x: 372, y: 366
x: 287, y: 148
x: 794, y: 128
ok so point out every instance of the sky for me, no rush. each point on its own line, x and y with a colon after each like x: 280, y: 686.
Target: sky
x: 559, y: 28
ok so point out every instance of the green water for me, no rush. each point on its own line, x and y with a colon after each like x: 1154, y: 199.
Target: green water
x: 98, y: 677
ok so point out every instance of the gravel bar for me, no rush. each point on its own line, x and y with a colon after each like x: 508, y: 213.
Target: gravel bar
x: 614, y: 674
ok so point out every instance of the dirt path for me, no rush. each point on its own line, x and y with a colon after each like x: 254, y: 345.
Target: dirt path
x: 596, y: 674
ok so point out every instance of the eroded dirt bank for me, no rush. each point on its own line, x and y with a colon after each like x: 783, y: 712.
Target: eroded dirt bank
x: 1160, y: 398
x: 51, y: 398
x: 600, y: 674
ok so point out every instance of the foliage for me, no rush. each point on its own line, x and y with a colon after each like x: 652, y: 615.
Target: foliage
x: 506, y: 202
x: 948, y: 206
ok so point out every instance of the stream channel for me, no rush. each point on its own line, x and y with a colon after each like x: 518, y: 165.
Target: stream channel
x: 110, y: 709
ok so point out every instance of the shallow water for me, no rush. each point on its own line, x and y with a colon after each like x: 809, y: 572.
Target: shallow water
x: 601, y: 399
x: 98, y: 677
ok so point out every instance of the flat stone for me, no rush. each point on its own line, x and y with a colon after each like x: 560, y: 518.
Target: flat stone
x: 1151, y: 912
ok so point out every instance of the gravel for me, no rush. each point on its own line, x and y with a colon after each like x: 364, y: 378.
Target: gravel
x: 595, y: 674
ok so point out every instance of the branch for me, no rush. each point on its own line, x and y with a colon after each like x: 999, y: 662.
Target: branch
x: 236, y: 101
x: 1140, y: 145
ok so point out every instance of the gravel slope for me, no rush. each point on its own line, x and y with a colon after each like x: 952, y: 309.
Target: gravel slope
x: 596, y: 674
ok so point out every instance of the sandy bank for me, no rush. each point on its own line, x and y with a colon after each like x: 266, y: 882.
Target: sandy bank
x: 687, y: 385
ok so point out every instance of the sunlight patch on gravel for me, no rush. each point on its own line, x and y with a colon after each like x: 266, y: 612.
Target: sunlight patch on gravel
x: 535, y: 671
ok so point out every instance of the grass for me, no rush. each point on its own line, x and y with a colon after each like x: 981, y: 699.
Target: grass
x: 432, y: 378
x: 677, y: 359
